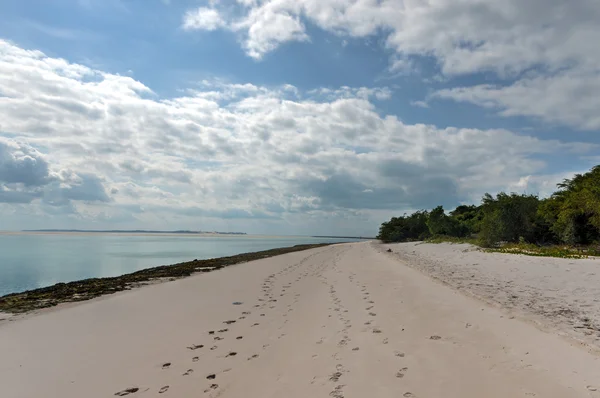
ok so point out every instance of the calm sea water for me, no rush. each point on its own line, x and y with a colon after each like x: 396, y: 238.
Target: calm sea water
x: 29, y: 261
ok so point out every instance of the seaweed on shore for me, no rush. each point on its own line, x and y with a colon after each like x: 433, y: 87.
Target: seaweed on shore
x: 89, y: 288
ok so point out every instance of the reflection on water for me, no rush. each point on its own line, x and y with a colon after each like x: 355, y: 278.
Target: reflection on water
x: 29, y: 261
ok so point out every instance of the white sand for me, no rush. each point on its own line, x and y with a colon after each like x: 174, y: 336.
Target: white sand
x: 562, y: 295
x: 348, y: 321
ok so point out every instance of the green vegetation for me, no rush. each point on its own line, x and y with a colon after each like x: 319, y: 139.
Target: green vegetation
x: 89, y: 288
x: 560, y: 251
x: 451, y: 239
x: 566, y: 224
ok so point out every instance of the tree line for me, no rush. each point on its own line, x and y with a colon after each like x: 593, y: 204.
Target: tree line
x: 571, y: 215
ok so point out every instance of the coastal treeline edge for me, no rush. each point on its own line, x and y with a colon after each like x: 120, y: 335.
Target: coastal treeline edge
x: 571, y: 215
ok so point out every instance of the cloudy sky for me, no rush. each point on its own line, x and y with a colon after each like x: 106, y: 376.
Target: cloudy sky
x: 288, y: 116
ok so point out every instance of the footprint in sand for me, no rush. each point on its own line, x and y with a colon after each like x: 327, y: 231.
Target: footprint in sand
x: 253, y: 357
x: 399, y: 354
x: 188, y: 372
x: 195, y: 359
x: 401, y: 373
x: 231, y: 354
x: 409, y: 395
x: 229, y: 322
x: 166, y: 365
x: 239, y: 337
x: 372, y: 314
x: 163, y: 389
x: 211, y: 332
x: 131, y: 390
x: 256, y: 324
x: 195, y: 347
x: 218, y: 338
x: 212, y: 387
x: 376, y: 330
x: 211, y: 376
x: 213, y: 347
x: 337, y: 393
x: 223, y: 330
x: 434, y: 338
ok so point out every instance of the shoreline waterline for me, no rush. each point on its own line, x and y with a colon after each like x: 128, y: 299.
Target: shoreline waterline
x: 34, y: 260
x: 86, y: 289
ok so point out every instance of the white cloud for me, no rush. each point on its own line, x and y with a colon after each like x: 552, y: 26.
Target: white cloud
x: 268, y: 27
x: 25, y: 176
x: 469, y: 36
x: 379, y: 93
x: 401, y: 66
x: 568, y: 98
x: 420, y: 104
x: 96, y: 147
x: 202, y: 18
x: 555, y: 40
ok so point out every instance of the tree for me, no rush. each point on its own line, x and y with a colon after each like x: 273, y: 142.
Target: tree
x: 440, y: 224
x: 405, y: 228
x: 510, y: 218
x: 571, y: 215
x: 573, y: 212
x: 469, y: 217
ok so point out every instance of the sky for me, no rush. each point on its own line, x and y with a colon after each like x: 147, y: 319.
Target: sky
x: 289, y: 117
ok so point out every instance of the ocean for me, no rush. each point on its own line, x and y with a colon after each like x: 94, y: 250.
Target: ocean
x: 33, y: 260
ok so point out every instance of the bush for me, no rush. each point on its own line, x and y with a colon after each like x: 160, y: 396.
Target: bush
x: 571, y: 215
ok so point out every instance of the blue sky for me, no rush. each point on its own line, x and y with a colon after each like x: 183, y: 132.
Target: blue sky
x: 287, y: 116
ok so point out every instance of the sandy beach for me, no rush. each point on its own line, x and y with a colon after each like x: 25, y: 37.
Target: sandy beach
x: 342, y: 321
x: 557, y: 294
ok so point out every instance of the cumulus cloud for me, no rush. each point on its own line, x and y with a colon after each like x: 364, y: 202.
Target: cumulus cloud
x: 103, y: 146
x: 25, y: 175
x: 20, y: 163
x: 568, y: 98
x: 544, y: 51
x: 203, y: 18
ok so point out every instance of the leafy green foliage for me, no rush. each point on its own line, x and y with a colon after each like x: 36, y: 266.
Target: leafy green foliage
x: 405, y: 228
x: 570, y: 216
x: 573, y: 212
x: 510, y: 218
x: 451, y: 239
x: 441, y: 224
x: 560, y: 251
x: 469, y: 217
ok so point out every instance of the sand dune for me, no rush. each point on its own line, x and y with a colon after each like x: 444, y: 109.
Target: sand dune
x: 340, y: 321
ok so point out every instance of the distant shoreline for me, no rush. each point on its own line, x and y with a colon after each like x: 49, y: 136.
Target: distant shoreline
x: 141, y: 232
x: 86, y: 289
x: 344, y: 237
x: 135, y: 231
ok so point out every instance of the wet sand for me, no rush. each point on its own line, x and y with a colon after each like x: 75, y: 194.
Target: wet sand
x: 342, y: 321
